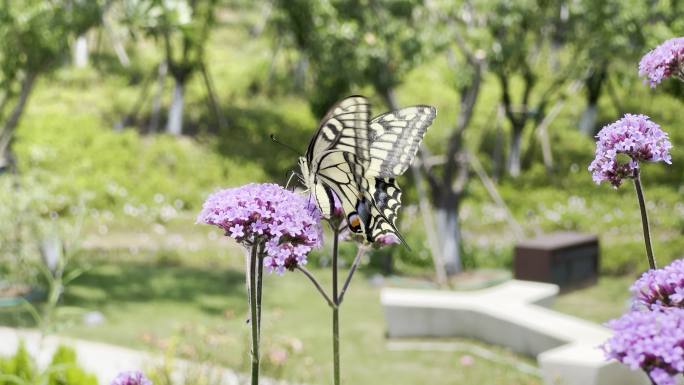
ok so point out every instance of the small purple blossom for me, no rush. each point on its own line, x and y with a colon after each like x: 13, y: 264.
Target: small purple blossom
x: 635, y: 136
x: 661, y: 287
x: 286, y: 223
x: 337, y: 210
x: 387, y: 239
x: 131, y: 378
x: 649, y: 340
x: 664, y: 61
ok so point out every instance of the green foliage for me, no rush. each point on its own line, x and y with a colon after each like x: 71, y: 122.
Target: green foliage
x: 181, y: 27
x: 69, y: 373
x: 21, y: 369
x: 18, y: 367
x: 76, y: 157
x: 27, y: 220
x: 353, y: 43
x: 36, y: 34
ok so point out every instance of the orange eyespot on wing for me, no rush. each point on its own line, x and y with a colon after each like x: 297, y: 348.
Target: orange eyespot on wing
x: 354, y: 221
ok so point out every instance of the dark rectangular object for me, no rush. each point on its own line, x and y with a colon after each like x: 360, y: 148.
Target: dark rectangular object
x: 567, y: 259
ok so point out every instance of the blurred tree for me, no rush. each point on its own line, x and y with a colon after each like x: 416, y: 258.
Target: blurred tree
x: 183, y: 28
x: 352, y: 43
x: 526, y: 40
x: 326, y: 41
x: 35, y: 36
x: 608, y: 34
x: 458, y: 29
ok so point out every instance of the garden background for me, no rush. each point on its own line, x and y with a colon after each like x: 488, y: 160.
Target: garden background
x: 119, y: 117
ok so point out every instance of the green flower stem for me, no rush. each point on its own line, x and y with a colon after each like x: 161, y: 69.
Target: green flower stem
x: 260, y: 272
x: 335, y: 309
x: 644, y: 220
x: 336, y: 345
x: 357, y: 260
x: 254, y: 297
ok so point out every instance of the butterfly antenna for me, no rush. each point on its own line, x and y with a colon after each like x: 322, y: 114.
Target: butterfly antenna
x: 289, y: 179
x: 274, y: 139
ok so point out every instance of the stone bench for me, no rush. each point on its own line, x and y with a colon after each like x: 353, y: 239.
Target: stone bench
x: 513, y: 315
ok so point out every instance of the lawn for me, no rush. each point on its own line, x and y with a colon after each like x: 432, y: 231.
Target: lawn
x: 197, y: 310
x: 190, y: 301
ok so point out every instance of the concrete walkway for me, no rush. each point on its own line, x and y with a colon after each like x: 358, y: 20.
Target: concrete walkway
x: 106, y: 361
x: 514, y: 315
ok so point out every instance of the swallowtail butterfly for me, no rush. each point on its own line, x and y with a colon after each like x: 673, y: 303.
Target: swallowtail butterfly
x: 358, y: 158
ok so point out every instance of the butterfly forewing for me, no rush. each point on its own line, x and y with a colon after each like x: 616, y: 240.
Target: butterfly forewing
x: 344, y: 127
x: 395, y: 138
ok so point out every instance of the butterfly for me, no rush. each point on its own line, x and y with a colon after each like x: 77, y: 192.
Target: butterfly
x: 357, y: 159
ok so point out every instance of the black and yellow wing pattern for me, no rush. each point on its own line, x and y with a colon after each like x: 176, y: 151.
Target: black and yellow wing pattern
x: 357, y: 159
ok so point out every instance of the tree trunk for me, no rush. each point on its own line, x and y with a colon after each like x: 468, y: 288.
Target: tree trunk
x: 116, y: 44
x: 174, y: 124
x: 515, y: 151
x: 497, y: 157
x: 156, y: 101
x: 213, y: 99
x: 7, y: 134
x: 390, y: 98
x: 594, y: 84
x: 300, y: 73
x: 81, y: 52
x: 587, y: 123
x: 446, y: 217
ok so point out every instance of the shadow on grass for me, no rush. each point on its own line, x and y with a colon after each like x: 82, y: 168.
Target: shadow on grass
x: 114, y: 284
x: 247, y: 134
x: 139, y: 282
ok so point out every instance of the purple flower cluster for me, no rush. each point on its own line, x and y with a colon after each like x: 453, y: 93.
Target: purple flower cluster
x: 664, y: 61
x: 285, y: 222
x: 131, y: 378
x: 635, y: 136
x: 650, y: 340
x: 662, y: 287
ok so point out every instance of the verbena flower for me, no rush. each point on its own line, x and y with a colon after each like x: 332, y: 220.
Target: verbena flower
x: 661, y: 287
x: 664, y: 61
x: 649, y: 340
x: 286, y: 223
x: 635, y: 136
x: 131, y: 378
x: 386, y: 239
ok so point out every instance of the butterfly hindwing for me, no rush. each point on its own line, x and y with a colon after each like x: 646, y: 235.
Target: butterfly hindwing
x: 384, y: 210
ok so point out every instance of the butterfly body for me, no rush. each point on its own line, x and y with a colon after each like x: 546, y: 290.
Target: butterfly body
x: 356, y: 159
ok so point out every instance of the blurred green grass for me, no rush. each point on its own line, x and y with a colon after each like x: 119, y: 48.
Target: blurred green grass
x: 199, y: 311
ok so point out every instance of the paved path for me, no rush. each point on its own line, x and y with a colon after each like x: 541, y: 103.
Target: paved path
x: 106, y: 361
x: 513, y: 314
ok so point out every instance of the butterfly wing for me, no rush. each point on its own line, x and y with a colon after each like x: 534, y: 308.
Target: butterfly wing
x: 341, y: 138
x: 394, y: 139
x: 384, y: 210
